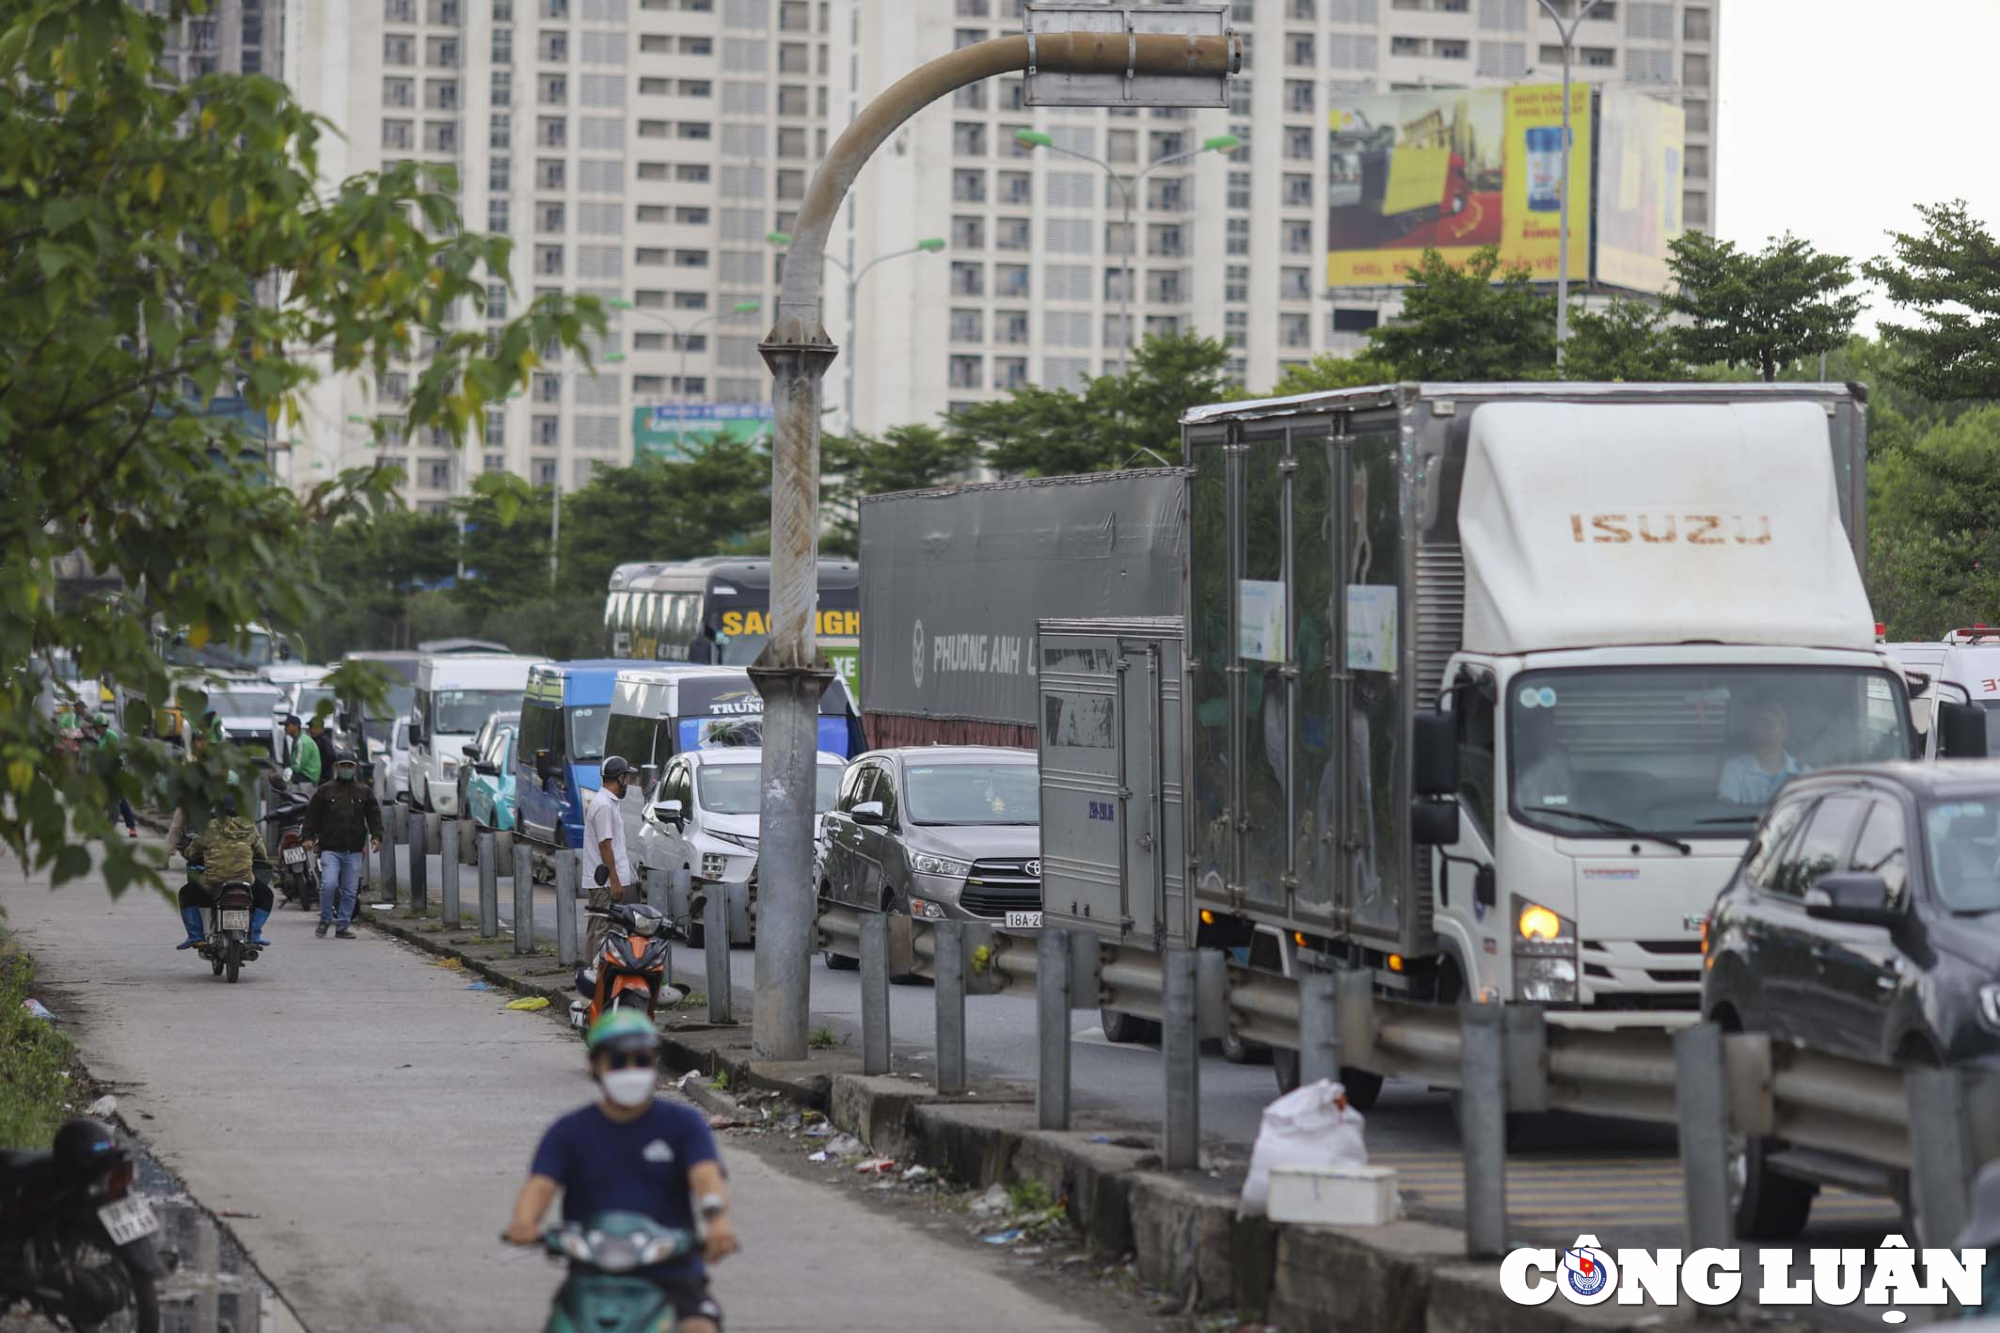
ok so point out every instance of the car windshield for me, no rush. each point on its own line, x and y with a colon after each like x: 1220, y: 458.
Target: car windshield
x: 310, y: 698
x: 462, y: 712
x: 732, y: 789
x: 398, y: 704
x: 740, y: 649
x: 586, y: 732
x: 973, y: 793
x: 244, y: 703
x: 1964, y: 838
x: 1697, y: 751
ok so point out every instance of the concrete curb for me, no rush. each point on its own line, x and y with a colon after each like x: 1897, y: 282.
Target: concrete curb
x: 1182, y: 1231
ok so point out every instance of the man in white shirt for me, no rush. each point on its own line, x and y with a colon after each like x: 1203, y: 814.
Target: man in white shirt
x: 1753, y: 778
x: 604, y: 845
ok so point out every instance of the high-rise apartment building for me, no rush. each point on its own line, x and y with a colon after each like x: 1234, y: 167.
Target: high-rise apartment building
x: 642, y: 151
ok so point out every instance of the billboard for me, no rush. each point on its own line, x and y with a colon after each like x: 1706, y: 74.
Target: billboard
x: 666, y: 430
x: 1641, y: 146
x: 1455, y: 170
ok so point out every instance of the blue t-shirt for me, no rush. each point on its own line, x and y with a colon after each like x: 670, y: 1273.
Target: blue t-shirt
x: 637, y: 1167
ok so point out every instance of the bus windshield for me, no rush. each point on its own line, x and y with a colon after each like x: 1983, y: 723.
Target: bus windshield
x: 587, y: 726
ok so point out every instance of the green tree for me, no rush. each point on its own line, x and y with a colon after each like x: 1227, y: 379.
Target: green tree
x: 1624, y: 341
x: 1117, y: 421
x: 904, y: 458
x: 1764, y: 310
x: 1934, y: 520
x: 1478, y: 322
x: 1948, y: 276
x: 369, y: 568
x: 167, y: 245
x: 1329, y: 370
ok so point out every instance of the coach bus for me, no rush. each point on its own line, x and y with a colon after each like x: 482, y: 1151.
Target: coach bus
x: 717, y: 611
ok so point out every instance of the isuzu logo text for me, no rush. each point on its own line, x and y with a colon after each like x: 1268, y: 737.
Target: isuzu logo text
x: 1664, y: 527
x: 1885, y: 1277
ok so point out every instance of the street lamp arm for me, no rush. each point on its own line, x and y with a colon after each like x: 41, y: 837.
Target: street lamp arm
x: 893, y: 254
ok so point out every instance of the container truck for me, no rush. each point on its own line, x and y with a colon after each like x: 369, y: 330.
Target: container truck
x: 1478, y: 688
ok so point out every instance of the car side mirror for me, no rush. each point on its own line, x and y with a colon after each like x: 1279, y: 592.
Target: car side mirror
x: 1434, y: 821
x: 870, y: 813
x: 469, y: 750
x: 487, y: 770
x: 1857, y: 899
x: 649, y: 776
x: 669, y: 812
x: 1961, y: 731
x: 1434, y: 757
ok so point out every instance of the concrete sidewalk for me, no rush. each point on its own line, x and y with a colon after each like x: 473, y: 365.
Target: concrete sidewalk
x: 363, y: 1121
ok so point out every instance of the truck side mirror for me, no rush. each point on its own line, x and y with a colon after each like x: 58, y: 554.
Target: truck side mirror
x: 1434, y: 758
x: 1434, y: 821
x: 1961, y: 731
x: 649, y: 775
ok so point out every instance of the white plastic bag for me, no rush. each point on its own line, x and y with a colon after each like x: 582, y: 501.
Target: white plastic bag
x: 1312, y: 1126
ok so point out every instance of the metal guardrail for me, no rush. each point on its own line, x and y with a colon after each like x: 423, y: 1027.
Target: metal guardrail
x: 1930, y: 1127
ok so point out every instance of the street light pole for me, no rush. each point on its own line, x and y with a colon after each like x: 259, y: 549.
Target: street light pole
x: 928, y: 246
x: 555, y: 490
x: 682, y: 339
x: 1221, y: 143
x: 1568, y: 35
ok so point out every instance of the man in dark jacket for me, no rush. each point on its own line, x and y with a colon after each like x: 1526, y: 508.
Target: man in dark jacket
x: 344, y: 821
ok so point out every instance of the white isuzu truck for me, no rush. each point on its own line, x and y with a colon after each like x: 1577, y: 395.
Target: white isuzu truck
x: 1480, y: 688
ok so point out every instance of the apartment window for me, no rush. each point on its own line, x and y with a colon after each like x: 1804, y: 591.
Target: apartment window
x: 1298, y: 238
x: 967, y: 37
x: 503, y: 87
x: 968, y: 187
x: 1236, y: 284
x: 794, y: 16
x: 399, y: 11
x: 1596, y: 57
x: 691, y: 171
x: 1236, y: 328
x: 395, y: 389
x: 1298, y: 191
x: 1010, y: 372
x: 1448, y: 48
x: 500, y: 133
x: 968, y: 326
x: 968, y: 372
x: 1299, y: 97
x: 972, y: 9
x: 550, y: 173
x: 1695, y: 25
x: 499, y: 174
x: 1694, y: 70
x: 399, y: 92
x: 1010, y: 280
x: 1301, y: 50
x: 968, y: 233
x: 1010, y: 326
x: 549, y: 217
x: 555, y: 9
x: 968, y: 139
x: 1160, y: 326
x: 1167, y: 143
x: 1239, y: 189
x: 972, y: 97
x: 1164, y: 287
x: 1117, y: 283
x: 441, y: 53
x: 1117, y: 330
x: 1302, y: 11
x: 968, y: 279
x: 1697, y: 115
x: 1237, y: 238
x: 1406, y: 46
x: 1011, y: 234
x: 1165, y: 239
x: 692, y: 129
x: 697, y: 88
x: 555, y: 90
x: 400, y: 134
x: 441, y: 136
x: 791, y: 185
x: 549, y: 260
x: 399, y: 49
x: 791, y: 141
x: 794, y: 58
x: 1694, y: 208
x: 646, y: 256
x: 1298, y: 144
x: 503, y: 46
x: 496, y: 216
x: 552, y: 131
x: 690, y: 259
x: 1118, y: 238
x: 697, y: 46
x: 1294, y: 284
x: 1015, y: 187
x: 1696, y: 161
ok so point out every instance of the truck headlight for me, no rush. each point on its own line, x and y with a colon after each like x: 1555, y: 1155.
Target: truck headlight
x: 926, y: 864
x: 450, y: 765
x: 1545, y: 980
x: 1545, y: 969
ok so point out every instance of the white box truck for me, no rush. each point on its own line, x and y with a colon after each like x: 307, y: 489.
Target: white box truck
x: 1479, y: 688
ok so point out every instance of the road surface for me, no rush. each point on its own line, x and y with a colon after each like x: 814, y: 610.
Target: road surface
x: 364, y: 1121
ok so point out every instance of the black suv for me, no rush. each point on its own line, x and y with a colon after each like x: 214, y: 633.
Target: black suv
x: 1864, y: 922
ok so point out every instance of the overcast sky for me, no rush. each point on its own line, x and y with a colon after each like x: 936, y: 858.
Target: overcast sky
x: 1838, y: 116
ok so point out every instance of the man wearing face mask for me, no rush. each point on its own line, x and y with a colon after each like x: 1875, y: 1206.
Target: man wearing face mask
x: 632, y: 1152
x: 604, y: 844
x: 344, y: 821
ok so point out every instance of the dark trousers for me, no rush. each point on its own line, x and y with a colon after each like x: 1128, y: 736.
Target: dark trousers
x: 195, y: 894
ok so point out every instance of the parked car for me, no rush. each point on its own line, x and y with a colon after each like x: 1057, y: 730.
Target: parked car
x: 489, y: 793
x: 1865, y: 922
x: 703, y: 819
x: 938, y: 832
x: 476, y: 748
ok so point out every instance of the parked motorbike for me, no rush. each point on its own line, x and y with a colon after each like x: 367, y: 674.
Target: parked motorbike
x: 298, y: 868
x: 631, y: 971
x: 602, y: 1294
x: 76, y: 1244
x: 227, y: 946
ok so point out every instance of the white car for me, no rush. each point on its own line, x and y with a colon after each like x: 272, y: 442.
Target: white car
x: 704, y: 818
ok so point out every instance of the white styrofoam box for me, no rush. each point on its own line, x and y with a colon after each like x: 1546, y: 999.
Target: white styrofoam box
x: 1334, y: 1195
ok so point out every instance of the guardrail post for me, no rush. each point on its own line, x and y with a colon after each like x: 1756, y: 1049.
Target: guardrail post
x: 420, y: 866
x: 524, y: 898
x: 566, y: 869
x: 1052, y: 987
x: 1319, y: 1036
x: 489, y: 885
x: 399, y: 834
x: 448, y: 872
x: 948, y: 972
x: 1701, y: 1106
x: 874, y: 993
x: 1180, y: 1047
x: 1941, y: 1158
x: 1482, y: 1124
x: 715, y: 943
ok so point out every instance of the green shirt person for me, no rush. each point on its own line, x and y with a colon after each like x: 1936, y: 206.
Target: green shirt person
x: 306, y: 758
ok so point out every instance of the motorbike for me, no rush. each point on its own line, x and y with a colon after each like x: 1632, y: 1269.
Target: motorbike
x: 631, y: 971
x: 227, y: 945
x: 298, y: 868
x: 76, y: 1244
x: 602, y: 1295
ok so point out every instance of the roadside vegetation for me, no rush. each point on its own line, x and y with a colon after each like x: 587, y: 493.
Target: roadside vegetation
x: 35, y: 1060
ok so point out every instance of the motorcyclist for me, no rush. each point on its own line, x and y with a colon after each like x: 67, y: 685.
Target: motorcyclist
x: 633, y: 1152
x: 342, y: 819
x: 230, y: 851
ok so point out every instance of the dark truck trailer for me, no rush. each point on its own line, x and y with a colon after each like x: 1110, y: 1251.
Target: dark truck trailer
x: 954, y: 580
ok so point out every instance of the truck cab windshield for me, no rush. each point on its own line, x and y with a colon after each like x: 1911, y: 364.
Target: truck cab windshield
x: 1686, y: 751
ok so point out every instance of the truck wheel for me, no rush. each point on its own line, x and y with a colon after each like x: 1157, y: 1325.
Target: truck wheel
x: 1125, y: 1029
x: 840, y: 962
x: 1240, y: 1052
x: 1361, y: 1086
x: 1767, y: 1204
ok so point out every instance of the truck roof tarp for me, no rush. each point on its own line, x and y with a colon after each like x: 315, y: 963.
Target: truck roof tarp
x: 953, y: 581
x: 1587, y: 524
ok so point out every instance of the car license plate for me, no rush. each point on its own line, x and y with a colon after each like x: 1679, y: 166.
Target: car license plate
x: 1024, y: 920
x: 236, y: 921
x: 128, y: 1220
x: 295, y: 856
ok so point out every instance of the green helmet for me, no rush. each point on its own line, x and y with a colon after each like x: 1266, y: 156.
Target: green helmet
x: 621, y: 1029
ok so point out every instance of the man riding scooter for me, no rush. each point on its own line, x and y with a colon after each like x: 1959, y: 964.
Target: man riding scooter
x: 229, y: 851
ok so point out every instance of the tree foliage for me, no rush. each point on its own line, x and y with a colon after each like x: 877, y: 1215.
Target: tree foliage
x: 1934, y: 518
x: 1327, y: 371
x: 904, y: 458
x: 1948, y: 276
x: 1763, y: 310
x: 1476, y: 322
x: 167, y: 245
x: 1625, y: 341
